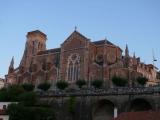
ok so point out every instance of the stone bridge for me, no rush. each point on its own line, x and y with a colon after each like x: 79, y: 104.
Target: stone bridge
x: 102, y: 104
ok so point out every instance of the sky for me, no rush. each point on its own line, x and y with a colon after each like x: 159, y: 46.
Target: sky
x: 132, y: 22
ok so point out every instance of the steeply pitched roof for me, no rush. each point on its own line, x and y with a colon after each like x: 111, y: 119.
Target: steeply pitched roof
x: 144, y: 115
x: 76, y: 33
x: 49, y: 51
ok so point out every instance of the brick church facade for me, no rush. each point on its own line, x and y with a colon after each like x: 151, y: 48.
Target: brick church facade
x: 77, y: 58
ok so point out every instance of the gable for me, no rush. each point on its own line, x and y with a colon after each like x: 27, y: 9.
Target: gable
x: 74, y: 41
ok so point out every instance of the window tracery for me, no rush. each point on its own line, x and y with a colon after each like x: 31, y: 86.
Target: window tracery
x: 73, y: 67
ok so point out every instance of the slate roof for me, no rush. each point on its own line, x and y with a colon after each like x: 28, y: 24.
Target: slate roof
x: 101, y: 42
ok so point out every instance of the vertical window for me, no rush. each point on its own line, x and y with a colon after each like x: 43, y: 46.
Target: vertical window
x: 4, y: 107
x: 73, y: 67
x: 33, y: 47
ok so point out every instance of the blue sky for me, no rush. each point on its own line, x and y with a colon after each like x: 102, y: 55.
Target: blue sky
x: 135, y: 22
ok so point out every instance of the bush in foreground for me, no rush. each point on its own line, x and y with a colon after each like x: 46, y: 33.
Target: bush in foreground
x: 28, y: 87
x: 62, y: 84
x: 44, y: 86
x: 80, y: 83
x: 97, y: 83
x: 142, y: 80
x: 119, y: 81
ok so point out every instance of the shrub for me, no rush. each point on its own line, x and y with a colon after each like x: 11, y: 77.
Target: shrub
x: 4, y: 95
x: 97, y: 83
x: 14, y: 91
x: 62, y: 84
x: 119, y: 81
x: 80, y: 83
x: 28, y: 87
x: 21, y: 112
x: 44, y: 86
x: 11, y: 93
x: 142, y: 80
x: 28, y: 98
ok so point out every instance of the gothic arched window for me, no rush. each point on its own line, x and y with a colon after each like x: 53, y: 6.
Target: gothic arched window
x: 73, y: 67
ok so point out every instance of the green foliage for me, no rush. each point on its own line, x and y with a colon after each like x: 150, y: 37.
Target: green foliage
x: 97, y: 83
x: 16, y: 112
x: 119, y: 81
x: 62, y: 84
x: 42, y: 113
x: 11, y: 93
x: 71, y: 105
x: 28, y: 107
x: 44, y: 86
x: 28, y: 87
x: 28, y: 98
x: 21, y: 112
x: 142, y: 80
x: 4, y: 96
x: 80, y: 83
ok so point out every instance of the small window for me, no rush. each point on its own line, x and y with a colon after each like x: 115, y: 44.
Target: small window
x: 4, y: 107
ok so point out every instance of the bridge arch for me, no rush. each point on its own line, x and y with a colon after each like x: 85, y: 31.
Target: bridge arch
x: 140, y: 104
x: 104, y: 110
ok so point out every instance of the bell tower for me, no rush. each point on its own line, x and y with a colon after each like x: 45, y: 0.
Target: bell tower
x: 36, y: 41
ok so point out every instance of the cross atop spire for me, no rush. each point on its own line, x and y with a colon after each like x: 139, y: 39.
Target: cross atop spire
x: 105, y: 38
x: 75, y: 28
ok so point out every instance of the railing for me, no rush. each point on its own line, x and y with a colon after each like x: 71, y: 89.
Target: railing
x: 102, y: 92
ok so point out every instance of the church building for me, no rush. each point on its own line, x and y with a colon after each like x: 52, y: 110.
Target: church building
x: 77, y: 58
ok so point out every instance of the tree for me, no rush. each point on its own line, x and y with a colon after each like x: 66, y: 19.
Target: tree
x: 62, y: 84
x: 28, y: 87
x: 28, y: 98
x: 80, y: 83
x: 21, y: 112
x: 142, y: 80
x: 4, y: 95
x: 16, y: 112
x: 97, y: 83
x: 44, y: 86
x: 119, y: 81
x: 11, y: 93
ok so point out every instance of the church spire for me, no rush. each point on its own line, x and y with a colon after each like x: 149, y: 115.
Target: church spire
x: 11, y: 67
x: 126, y: 51
x: 134, y: 56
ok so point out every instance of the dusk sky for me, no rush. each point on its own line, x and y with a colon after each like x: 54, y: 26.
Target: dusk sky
x: 132, y: 22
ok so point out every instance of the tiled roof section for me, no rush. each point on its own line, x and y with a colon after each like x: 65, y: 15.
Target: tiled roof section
x: 49, y: 51
x: 102, y: 42
x: 145, y: 115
